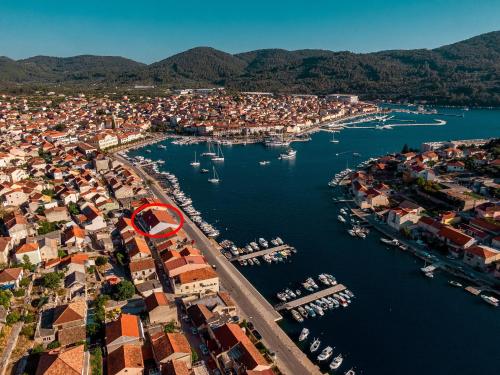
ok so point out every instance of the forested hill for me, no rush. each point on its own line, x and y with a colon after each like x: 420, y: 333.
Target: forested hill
x: 463, y: 73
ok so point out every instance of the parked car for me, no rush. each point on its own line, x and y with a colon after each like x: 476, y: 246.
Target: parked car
x: 194, y: 330
x: 204, y: 349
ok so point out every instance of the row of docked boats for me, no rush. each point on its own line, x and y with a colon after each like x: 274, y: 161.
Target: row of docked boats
x: 335, y: 181
x: 321, y: 305
x: 325, y: 354
x: 358, y: 231
x: 393, y: 242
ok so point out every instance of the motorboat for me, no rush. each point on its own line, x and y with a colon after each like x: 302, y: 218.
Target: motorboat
x: 455, y: 283
x: 336, y: 362
x: 490, y: 300
x: 303, y: 334
x: 204, y: 170
x: 341, y: 218
x: 254, y: 246
x: 315, y: 345
x: 263, y: 242
x: 290, y: 154
x: 296, y: 315
x: 264, y: 162
x: 350, y: 372
x: 393, y: 242
x: 325, y: 354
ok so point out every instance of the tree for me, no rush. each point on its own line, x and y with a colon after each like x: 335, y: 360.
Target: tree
x: 5, y: 297
x: 45, y: 227
x: 25, y: 281
x: 96, y: 361
x: 170, y: 327
x: 61, y: 253
x: 123, y: 290
x: 13, y: 317
x: 37, y: 349
x: 51, y: 280
x: 73, y: 208
x: 53, y: 345
x: 101, y: 261
x: 27, y: 265
x: 194, y: 356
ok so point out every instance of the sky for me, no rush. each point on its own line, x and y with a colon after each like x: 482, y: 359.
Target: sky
x: 148, y: 31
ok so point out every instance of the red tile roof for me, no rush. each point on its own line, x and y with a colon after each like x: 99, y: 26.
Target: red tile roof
x: 126, y: 325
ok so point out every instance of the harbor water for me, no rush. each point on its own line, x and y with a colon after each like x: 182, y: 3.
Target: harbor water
x: 400, y: 322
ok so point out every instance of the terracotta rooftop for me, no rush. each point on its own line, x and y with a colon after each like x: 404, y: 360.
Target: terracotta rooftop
x: 126, y: 325
x: 64, y: 362
x: 126, y: 357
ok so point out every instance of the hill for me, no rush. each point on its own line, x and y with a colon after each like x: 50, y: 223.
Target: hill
x: 463, y: 73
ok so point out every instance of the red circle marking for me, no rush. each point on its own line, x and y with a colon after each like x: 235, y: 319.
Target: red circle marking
x: 157, y: 204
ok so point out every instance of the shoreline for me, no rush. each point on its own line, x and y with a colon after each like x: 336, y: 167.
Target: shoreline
x: 249, y: 300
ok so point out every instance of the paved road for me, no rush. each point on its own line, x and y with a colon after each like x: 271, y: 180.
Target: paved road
x: 289, y: 358
x: 9, y: 347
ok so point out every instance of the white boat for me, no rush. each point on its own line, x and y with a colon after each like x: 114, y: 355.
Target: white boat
x: 254, y: 246
x: 336, y: 362
x: 297, y: 316
x: 490, y: 299
x: 264, y: 162
x: 263, y: 242
x: 162, y: 146
x: 351, y: 232
x: 341, y: 218
x: 325, y: 354
x: 215, y: 178
x: 393, y: 242
x: 315, y: 345
x: 455, y: 283
x: 195, y: 163
x: 204, y: 170
x: 219, y: 156
x: 210, y: 151
x: 290, y: 154
x: 350, y: 372
x: 333, y: 140
x: 279, y: 240
x: 304, y: 334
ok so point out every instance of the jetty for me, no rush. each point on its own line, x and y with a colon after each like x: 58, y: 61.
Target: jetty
x: 311, y: 297
x: 260, y: 253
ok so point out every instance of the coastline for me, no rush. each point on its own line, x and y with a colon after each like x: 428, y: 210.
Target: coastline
x: 290, y: 359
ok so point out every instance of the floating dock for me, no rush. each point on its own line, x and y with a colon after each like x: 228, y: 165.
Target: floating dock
x: 260, y: 253
x: 311, y: 297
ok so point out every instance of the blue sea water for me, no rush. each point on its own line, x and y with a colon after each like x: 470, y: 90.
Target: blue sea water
x: 400, y: 322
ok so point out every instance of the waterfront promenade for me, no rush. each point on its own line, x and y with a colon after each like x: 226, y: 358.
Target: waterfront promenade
x: 289, y: 358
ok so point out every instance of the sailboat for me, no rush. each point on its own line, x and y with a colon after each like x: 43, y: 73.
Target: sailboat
x: 210, y: 151
x: 219, y: 156
x: 195, y: 163
x: 333, y: 140
x: 215, y: 178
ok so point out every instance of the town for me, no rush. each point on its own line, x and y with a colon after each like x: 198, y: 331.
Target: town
x: 442, y: 202
x: 81, y: 291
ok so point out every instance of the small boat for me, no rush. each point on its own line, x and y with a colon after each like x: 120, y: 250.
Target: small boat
x: 393, y: 242
x: 219, y: 156
x: 264, y: 162
x: 356, y: 154
x: 204, y: 170
x: 336, y: 362
x: 290, y: 154
x: 302, y: 311
x: 297, y: 316
x: 430, y: 275
x: 256, y: 261
x: 254, y: 246
x: 315, y: 345
x: 333, y: 140
x: 215, y: 178
x: 250, y: 262
x: 341, y: 218
x: 455, y: 283
x: 325, y: 354
x: 279, y: 240
x: 263, y: 242
x: 351, y: 232
x: 490, y: 300
x: 350, y: 372
x: 195, y: 163
x: 303, y: 334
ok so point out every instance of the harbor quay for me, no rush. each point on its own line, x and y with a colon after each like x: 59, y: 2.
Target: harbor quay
x: 288, y: 357
x: 311, y: 297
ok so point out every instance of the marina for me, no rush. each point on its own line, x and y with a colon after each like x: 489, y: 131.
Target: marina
x: 262, y: 253
x: 311, y: 297
x: 257, y: 201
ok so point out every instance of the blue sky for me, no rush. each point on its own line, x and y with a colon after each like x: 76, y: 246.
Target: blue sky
x: 148, y: 31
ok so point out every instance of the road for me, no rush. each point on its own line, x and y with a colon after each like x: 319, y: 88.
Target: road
x: 289, y: 358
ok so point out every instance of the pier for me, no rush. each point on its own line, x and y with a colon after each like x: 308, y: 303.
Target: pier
x: 311, y: 297
x: 261, y: 253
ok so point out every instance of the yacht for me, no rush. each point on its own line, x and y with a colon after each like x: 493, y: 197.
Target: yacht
x: 290, y: 154
x: 490, y: 299
x: 325, y: 354
x: 455, y: 283
x: 263, y: 242
x: 279, y: 240
x: 254, y: 246
x: 350, y: 372
x: 256, y: 261
x: 336, y: 362
x: 393, y: 242
x: 264, y: 162
x: 215, y: 178
x: 274, y: 242
x: 351, y: 232
x: 297, y: 316
x: 195, y: 163
x: 302, y: 311
x: 341, y: 218
x: 210, y: 151
x: 333, y: 140
x: 304, y: 334
x: 315, y: 345
x: 219, y: 156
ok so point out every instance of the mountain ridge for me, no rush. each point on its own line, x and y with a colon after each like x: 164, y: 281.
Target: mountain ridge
x: 465, y: 72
